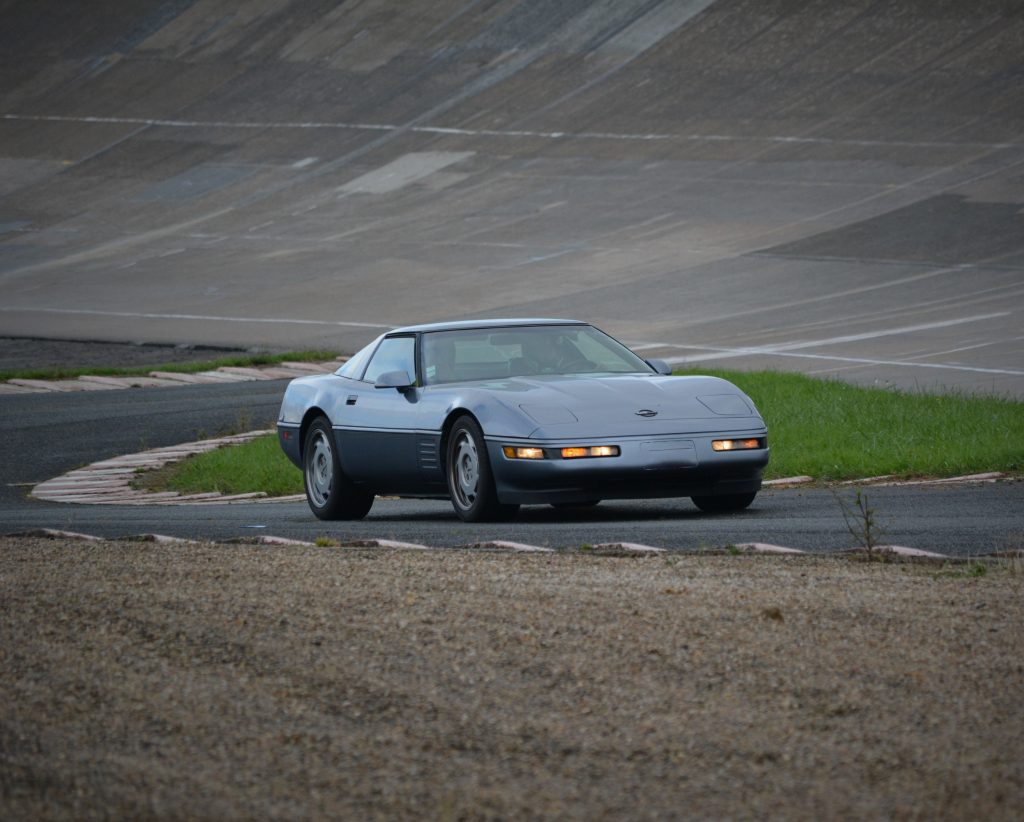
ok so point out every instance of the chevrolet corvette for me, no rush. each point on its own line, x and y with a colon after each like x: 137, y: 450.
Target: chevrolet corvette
x: 494, y: 414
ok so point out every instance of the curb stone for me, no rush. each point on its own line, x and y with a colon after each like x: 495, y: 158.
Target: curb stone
x: 108, y: 482
x: 900, y: 551
x: 512, y: 547
x: 170, y: 379
x: 613, y: 549
x: 624, y: 549
x: 766, y: 548
x: 787, y: 481
x: 55, y: 533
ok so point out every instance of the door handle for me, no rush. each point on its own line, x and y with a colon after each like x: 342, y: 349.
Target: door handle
x: 351, y: 400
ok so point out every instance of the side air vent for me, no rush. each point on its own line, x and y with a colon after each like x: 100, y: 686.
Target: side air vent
x: 428, y: 454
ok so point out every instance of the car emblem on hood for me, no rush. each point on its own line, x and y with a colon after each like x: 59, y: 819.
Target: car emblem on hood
x: 646, y: 412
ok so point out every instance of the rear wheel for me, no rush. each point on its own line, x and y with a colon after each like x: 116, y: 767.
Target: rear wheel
x: 724, y: 503
x: 470, y: 481
x: 330, y: 494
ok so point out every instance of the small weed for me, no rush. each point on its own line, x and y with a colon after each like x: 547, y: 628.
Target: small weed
x: 586, y: 546
x: 325, y: 542
x: 973, y: 569
x: 861, y: 523
x: 1013, y: 551
x: 732, y: 550
x: 243, y: 424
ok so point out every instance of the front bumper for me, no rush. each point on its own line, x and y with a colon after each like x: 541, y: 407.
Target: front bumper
x: 647, y: 467
x: 288, y: 439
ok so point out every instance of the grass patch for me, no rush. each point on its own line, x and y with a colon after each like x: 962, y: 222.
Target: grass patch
x: 823, y: 428
x: 831, y: 430
x: 244, y: 361
x: 257, y: 465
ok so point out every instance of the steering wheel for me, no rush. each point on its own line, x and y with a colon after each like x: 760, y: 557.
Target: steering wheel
x: 575, y: 362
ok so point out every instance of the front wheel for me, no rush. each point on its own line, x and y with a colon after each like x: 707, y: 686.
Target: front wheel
x: 470, y: 481
x: 724, y: 503
x: 330, y: 494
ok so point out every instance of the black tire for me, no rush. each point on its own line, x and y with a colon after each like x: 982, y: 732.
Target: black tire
x: 469, y: 476
x: 724, y: 503
x: 330, y: 494
x: 590, y: 503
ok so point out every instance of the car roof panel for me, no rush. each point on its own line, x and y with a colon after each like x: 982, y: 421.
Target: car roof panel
x: 462, y: 325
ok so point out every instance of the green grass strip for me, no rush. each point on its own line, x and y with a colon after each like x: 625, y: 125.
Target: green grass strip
x: 822, y: 428
x: 244, y: 361
x: 832, y: 430
x: 257, y: 465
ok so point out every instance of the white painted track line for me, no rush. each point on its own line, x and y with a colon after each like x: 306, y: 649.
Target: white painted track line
x: 777, y: 139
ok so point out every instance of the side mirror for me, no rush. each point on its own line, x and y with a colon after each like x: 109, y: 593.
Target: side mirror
x: 394, y: 379
x: 660, y: 366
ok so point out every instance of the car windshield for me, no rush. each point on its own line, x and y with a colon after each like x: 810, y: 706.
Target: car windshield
x: 520, y: 351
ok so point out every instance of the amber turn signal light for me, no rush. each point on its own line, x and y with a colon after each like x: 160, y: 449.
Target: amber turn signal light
x: 516, y: 453
x: 578, y: 451
x: 735, y: 445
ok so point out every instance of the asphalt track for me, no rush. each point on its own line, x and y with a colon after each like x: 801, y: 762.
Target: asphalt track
x: 834, y: 188
x: 43, y: 435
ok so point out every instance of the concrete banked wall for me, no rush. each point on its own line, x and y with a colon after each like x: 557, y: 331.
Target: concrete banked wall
x: 712, y: 175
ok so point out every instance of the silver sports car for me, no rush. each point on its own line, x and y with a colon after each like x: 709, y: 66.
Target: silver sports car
x: 493, y: 414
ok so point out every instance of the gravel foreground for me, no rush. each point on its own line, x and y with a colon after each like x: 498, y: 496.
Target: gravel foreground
x: 139, y: 680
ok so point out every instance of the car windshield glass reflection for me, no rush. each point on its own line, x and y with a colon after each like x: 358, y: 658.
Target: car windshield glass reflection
x: 488, y: 354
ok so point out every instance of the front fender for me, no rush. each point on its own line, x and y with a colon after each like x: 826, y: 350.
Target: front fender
x: 497, y: 418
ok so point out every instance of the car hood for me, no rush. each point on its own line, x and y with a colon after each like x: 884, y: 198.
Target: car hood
x: 627, y: 405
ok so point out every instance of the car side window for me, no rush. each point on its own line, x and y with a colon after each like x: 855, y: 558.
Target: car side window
x: 393, y: 354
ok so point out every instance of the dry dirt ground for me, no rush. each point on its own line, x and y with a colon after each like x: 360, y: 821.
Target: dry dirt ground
x: 213, y: 681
